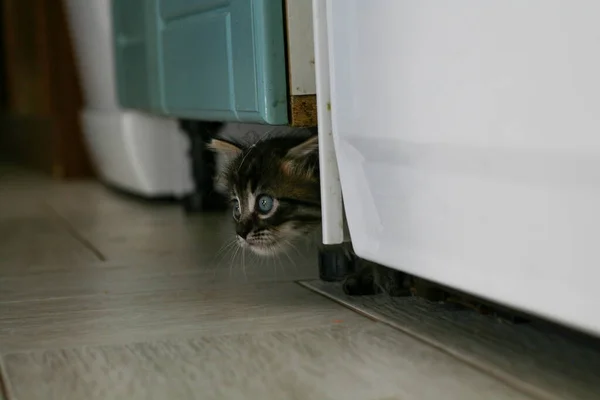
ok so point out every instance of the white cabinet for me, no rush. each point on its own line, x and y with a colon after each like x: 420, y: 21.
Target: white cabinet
x: 467, y: 135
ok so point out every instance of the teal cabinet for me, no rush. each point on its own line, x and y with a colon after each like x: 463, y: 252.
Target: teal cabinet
x: 131, y: 54
x: 202, y: 59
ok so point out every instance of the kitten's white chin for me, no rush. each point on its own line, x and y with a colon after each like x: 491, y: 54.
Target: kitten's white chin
x: 261, y: 249
x: 264, y: 250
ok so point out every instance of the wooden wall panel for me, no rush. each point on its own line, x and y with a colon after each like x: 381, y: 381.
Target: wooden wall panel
x: 42, y: 127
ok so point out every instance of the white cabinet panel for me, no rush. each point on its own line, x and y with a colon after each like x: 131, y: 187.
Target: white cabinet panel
x: 467, y: 135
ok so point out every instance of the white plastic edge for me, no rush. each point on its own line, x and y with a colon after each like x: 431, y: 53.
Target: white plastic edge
x: 331, y: 192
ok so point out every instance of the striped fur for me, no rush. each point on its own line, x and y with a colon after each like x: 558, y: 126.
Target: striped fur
x: 286, y: 170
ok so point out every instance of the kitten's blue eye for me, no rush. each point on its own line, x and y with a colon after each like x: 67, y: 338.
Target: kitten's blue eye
x: 265, y: 204
x: 237, y: 212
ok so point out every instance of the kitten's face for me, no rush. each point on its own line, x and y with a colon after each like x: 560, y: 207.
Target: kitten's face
x: 274, y: 191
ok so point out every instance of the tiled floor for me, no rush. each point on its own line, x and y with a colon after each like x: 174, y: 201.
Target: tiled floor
x: 543, y: 359
x: 106, y: 297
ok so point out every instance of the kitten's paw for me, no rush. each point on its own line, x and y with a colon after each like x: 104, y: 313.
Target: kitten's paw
x: 355, y: 286
x: 350, y: 286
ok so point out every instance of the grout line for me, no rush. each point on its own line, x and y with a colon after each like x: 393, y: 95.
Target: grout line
x: 496, y: 373
x: 305, y: 284
x: 75, y: 234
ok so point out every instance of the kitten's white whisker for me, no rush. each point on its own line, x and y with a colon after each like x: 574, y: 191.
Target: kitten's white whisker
x: 291, y: 244
x: 291, y: 260
x: 216, y: 259
x: 232, y: 261
x: 259, y: 261
x: 246, y: 156
x: 298, y: 250
x: 265, y: 136
x: 281, y: 263
x: 224, y: 247
x: 222, y: 253
x: 263, y: 262
x: 244, y: 263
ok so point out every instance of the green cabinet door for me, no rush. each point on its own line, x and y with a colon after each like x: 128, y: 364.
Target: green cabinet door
x: 205, y: 59
x: 131, y: 20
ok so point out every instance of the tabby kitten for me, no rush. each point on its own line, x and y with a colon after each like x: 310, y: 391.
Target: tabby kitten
x: 275, y: 195
x: 274, y: 190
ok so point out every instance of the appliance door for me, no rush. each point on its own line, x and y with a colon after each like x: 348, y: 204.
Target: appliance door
x: 467, y: 135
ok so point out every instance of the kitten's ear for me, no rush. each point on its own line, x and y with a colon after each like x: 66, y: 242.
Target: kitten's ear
x: 305, y: 149
x: 224, y: 147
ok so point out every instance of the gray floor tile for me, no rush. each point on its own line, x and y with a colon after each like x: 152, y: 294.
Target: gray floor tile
x: 359, y: 362
x: 169, y: 311
x: 540, y: 358
x: 36, y: 240
x: 173, y: 310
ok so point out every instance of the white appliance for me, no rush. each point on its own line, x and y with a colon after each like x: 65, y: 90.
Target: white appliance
x: 134, y: 151
x: 467, y: 136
